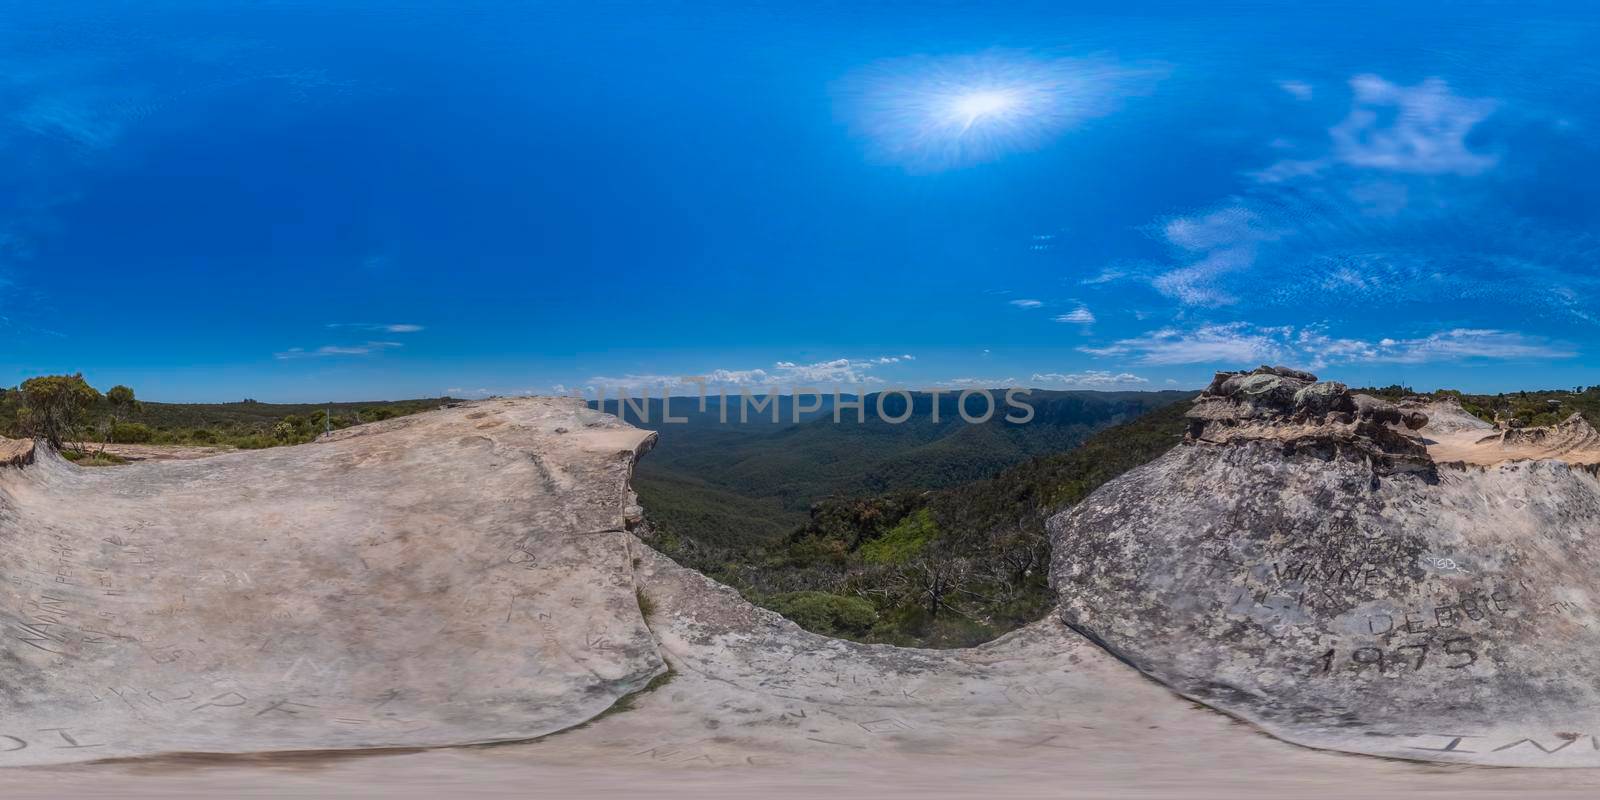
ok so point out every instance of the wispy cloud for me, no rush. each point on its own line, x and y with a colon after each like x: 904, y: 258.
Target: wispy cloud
x: 1026, y: 303
x: 1470, y: 343
x: 1107, y: 275
x: 1090, y: 379
x: 1215, y: 244
x: 1399, y: 205
x: 782, y: 374
x: 1428, y: 134
x: 386, y: 327
x: 975, y: 383
x: 1079, y: 316
x: 1236, y: 342
x: 1241, y: 343
x: 363, y: 349
x: 1420, y: 129
x: 1300, y: 90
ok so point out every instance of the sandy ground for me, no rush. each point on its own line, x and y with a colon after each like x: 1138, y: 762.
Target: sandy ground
x: 1454, y: 435
x: 163, y: 452
x: 1230, y: 767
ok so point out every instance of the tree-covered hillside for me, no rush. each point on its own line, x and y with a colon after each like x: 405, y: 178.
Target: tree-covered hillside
x: 946, y: 567
x: 717, y: 482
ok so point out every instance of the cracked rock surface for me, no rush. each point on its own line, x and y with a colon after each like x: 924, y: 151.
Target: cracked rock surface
x: 1307, y: 565
x: 457, y: 576
x: 468, y: 576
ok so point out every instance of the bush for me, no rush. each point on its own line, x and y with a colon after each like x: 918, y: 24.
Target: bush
x: 132, y: 433
x: 824, y: 613
x: 54, y: 406
x: 904, y: 541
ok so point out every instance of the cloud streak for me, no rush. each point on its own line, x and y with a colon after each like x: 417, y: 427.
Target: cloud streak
x: 394, y: 327
x: 1241, y: 343
x: 838, y: 371
x: 1091, y: 379
x: 363, y: 349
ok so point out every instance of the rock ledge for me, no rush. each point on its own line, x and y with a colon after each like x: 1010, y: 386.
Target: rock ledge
x: 1323, y: 418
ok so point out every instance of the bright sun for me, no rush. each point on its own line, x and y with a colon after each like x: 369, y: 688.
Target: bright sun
x: 935, y: 113
x: 971, y: 107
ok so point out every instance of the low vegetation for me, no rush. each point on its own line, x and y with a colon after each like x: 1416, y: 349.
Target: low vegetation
x: 1517, y: 409
x: 81, y: 421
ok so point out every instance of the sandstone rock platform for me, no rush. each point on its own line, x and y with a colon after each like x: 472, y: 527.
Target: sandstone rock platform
x: 469, y: 576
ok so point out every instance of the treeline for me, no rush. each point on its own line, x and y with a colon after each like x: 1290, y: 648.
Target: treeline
x: 944, y: 568
x: 81, y: 421
x: 1515, y: 409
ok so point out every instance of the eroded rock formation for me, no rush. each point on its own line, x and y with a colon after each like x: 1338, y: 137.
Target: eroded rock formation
x: 1293, y: 409
x: 1303, y: 562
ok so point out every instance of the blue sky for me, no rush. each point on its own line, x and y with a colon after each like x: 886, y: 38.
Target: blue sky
x: 349, y: 200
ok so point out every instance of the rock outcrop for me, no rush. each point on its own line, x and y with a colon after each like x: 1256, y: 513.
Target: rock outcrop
x: 15, y: 452
x: 1302, y: 562
x: 452, y: 577
x: 1293, y: 409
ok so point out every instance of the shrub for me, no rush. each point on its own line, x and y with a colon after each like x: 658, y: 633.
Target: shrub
x: 824, y: 613
x: 132, y: 433
x: 904, y: 541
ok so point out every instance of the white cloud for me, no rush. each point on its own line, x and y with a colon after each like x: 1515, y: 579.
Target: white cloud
x: 1362, y: 216
x: 364, y: 349
x: 386, y: 327
x: 1090, y: 379
x: 1226, y: 227
x: 739, y: 377
x: 1080, y: 316
x: 977, y: 383
x: 1242, y: 344
x: 1469, y: 343
x: 1026, y: 303
x: 1420, y: 130
x: 839, y: 370
x: 782, y: 374
x: 1299, y: 89
x: 1232, y: 343
x: 1428, y: 134
x: 1107, y: 275
x: 1217, y: 243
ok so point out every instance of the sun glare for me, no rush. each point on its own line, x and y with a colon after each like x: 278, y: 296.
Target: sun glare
x: 972, y: 107
x: 931, y: 114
